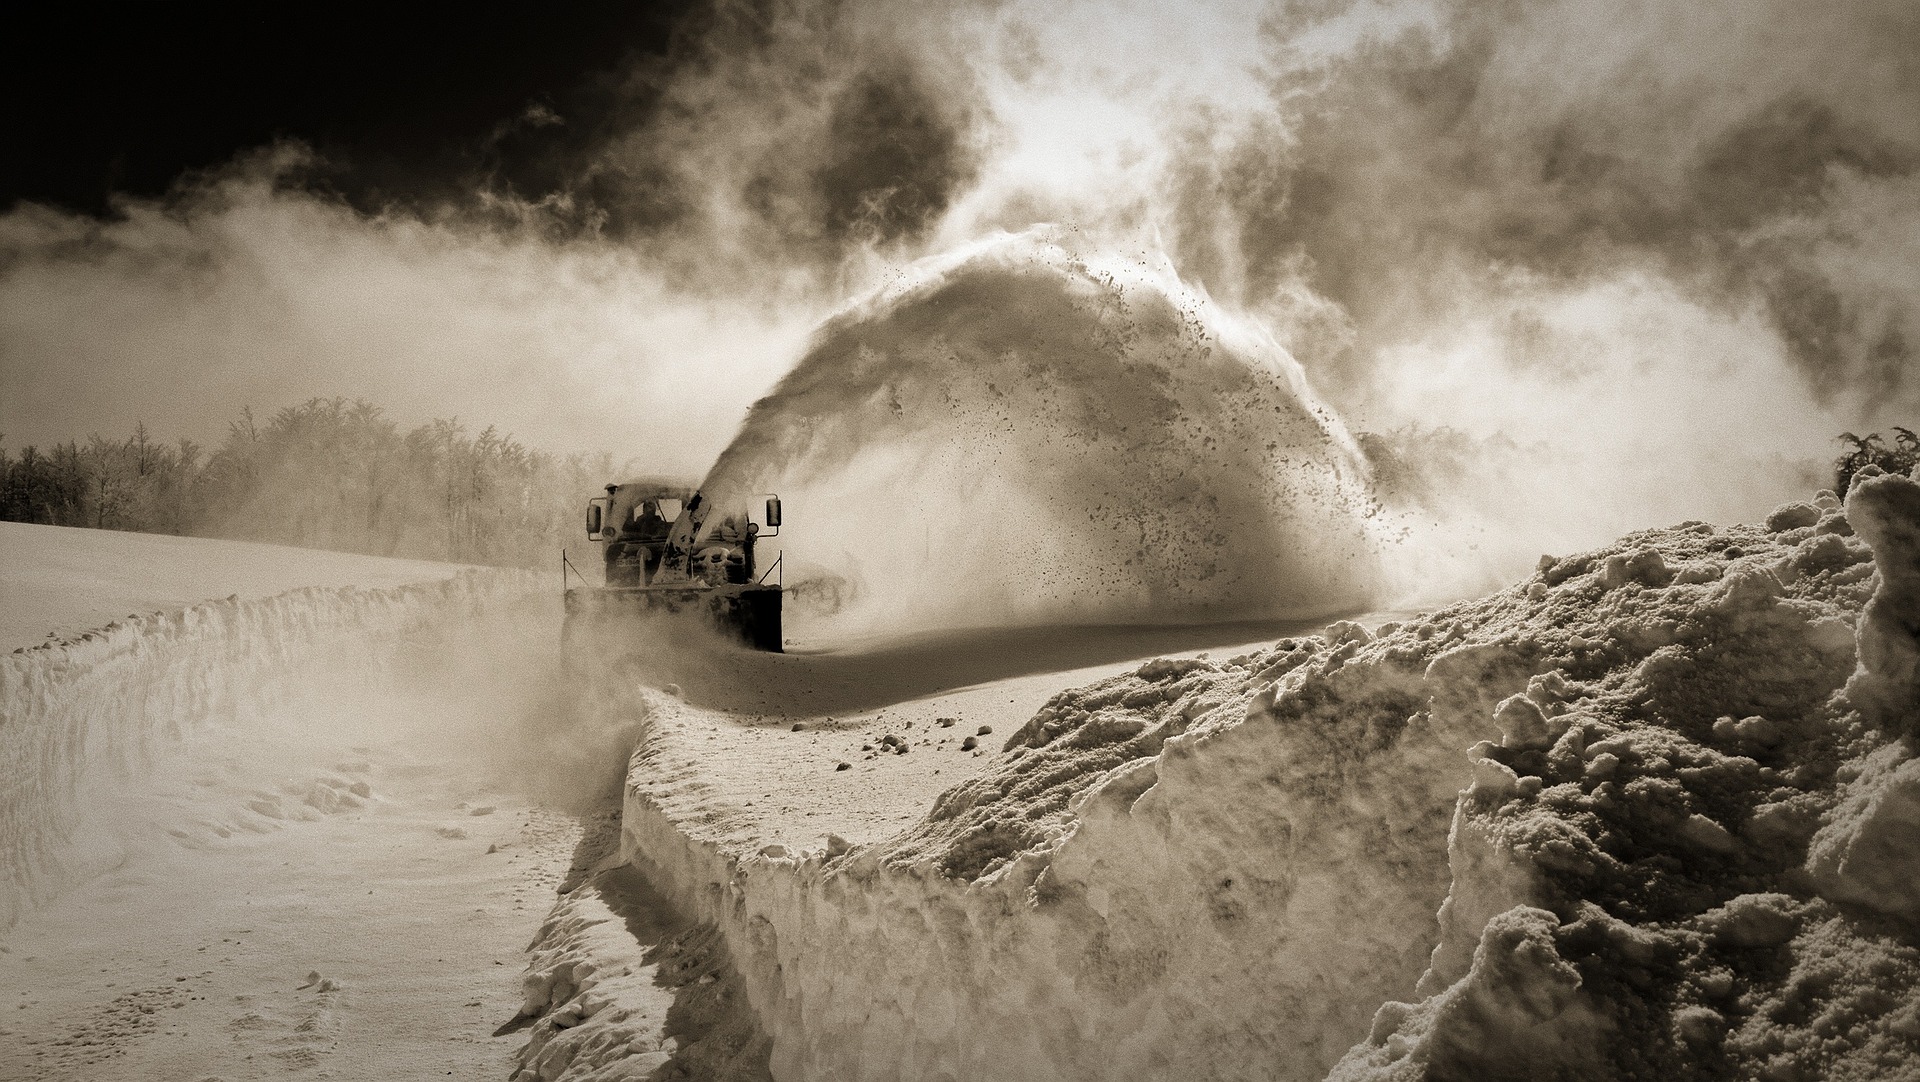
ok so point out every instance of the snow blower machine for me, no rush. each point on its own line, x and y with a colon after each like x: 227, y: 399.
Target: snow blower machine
x: 661, y: 554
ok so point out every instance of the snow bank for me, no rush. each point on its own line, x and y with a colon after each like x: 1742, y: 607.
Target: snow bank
x: 60, y: 581
x: 1713, y: 849
x: 596, y: 994
x: 1649, y: 813
x: 98, y: 708
x: 618, y: 995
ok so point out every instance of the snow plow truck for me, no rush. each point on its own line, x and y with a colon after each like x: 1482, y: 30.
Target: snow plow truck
x: 663, y: 553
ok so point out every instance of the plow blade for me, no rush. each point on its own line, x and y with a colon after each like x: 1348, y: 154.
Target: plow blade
x: 750, y: 614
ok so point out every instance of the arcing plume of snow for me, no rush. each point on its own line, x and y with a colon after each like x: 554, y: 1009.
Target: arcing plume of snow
x: 84, y: 720
x: 1647, y: 811
x: 1016, y: 433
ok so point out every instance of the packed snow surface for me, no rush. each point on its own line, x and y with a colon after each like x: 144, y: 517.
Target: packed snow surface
x: 376, y: 939
x: 1649, y: 813
x: 66, y: 581
x: 272, y: 834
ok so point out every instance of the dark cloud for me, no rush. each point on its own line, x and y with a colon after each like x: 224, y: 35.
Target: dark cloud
x: 803, y: 132
x: 1780, y: 160
x: 762, y: 131
x: 896, y: 155
x: 545, y: 251
x: 1730, y: 150
x: 99, y: 104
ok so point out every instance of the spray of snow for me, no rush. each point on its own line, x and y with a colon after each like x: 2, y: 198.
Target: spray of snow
x: 1015, y: 433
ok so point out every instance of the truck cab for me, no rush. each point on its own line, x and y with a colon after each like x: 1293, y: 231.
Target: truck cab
x: 633, y: 523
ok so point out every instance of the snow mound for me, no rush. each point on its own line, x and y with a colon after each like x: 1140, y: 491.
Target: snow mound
x: 1646, y: 814
x: 1885, y: 511
x: 80, y: 717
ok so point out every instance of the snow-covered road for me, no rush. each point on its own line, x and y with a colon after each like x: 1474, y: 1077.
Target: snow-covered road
x: 777, y: 728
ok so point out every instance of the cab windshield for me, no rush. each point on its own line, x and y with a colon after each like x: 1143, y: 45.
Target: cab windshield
x: 647, y: 518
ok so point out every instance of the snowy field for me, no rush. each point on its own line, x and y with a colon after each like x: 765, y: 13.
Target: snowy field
x: 57, y: 581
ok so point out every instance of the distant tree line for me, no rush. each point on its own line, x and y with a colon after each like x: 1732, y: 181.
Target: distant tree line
x: 1872, y: 450
x: 328, y: 474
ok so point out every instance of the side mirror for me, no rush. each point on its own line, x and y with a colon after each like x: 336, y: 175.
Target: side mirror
x: 596, y: 517
x: 773, y: 512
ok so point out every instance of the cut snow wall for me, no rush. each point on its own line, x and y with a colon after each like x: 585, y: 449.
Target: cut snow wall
x: 1114, y: 942
x: 114, y: 700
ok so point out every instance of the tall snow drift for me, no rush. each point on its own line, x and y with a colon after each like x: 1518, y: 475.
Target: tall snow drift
x: 1016, y: 433
x: 1646, y: 814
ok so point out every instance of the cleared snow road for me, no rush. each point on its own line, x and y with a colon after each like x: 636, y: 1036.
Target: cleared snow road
x: 774, y: 730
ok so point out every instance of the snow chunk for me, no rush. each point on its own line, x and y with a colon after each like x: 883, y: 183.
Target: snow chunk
x: 1522, y: 723
x: 1792, y: 516
x: 1754, y: 920
x: 1870, y: 851
x: 1518, y: 1013
x: 1885, y: 511
x: 1643, y: 566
